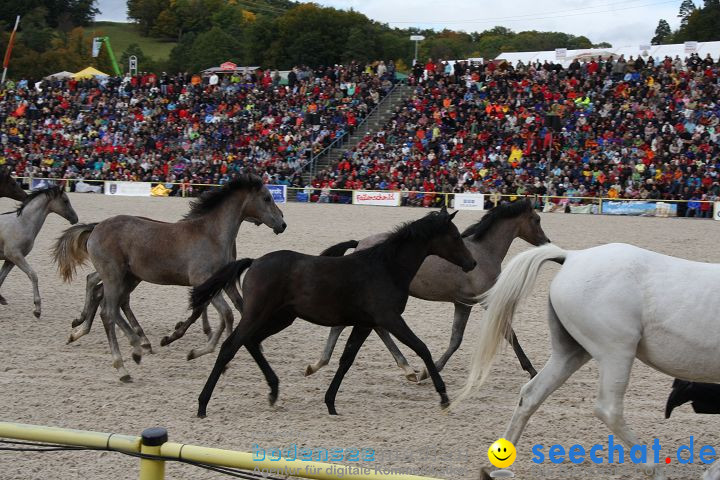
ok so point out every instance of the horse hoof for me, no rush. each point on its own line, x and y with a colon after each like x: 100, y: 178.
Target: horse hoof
x: 191, y: 355
x: 272, y: 398
x: 309, y: 370
x: 484, y: 474
x: 201, y: 415
x: 2, y: 300
x: 70, y: 340
x: 164, y: 341
x: 137, y: 358
x: 444, y: 401
x: 126, y: 379
x: 36, y: 313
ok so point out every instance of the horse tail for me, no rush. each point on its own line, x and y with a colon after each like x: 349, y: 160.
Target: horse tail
x: 201, y: 295
x: 70, y: 249
x: 339, y: 249
x: 514, y: 284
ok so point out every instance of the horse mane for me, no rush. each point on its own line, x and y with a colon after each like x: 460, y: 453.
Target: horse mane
x: 505, y: 210
x: 209, y: 200
x: 52, y: 191
x: 421, y: 229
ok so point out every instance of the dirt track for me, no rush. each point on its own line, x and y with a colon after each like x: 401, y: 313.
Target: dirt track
x: 44, y: 381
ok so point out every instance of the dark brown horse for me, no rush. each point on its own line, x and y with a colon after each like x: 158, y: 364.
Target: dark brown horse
x: 9, y: 187
x: 127, y: 250
x: 365, y: 290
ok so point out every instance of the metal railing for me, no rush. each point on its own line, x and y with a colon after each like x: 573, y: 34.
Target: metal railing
x: 154, y: 450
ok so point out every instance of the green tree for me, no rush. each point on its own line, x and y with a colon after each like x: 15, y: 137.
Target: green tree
x: 662, y: 33
x: 146, y: 12
x: 687, y: 7
x: 76, y: 12
x: 134, y: 49
x: 212, y: 48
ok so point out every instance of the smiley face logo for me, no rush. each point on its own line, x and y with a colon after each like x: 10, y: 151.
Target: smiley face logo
x: 502, y: 453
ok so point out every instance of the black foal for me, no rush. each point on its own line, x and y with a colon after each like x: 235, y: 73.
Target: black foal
x: 365, y: 289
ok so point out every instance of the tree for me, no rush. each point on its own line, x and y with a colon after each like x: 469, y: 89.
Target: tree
x: 134, y: 49
x: 146, y: 12
x: 74, y: 12
x: 662, y: 32
x: 687, y: 7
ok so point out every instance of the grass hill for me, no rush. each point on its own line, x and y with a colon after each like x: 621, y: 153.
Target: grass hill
x: 122, y: 35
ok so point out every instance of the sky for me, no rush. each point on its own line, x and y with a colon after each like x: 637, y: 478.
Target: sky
x: 621, y: 23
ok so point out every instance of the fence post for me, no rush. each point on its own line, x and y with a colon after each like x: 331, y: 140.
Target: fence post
x: 600, y: 200
x: 152, y: 439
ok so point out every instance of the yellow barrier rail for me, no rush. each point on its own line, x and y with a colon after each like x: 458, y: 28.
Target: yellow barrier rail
x: 154, y: 450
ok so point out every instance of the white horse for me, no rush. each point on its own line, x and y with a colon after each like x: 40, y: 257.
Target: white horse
x: 19, y: 228
x: 613, y: 303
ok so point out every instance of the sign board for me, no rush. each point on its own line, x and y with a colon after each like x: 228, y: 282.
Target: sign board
x: 132, y: 65
x: 648, y: 209
x: 97, y: 43
x: 388, y: 199
x: 417, y: 38
x: 469, y: 201
x: 40, y: 183
x: 128, y: 189
x: 278, y: 192
x: 228, y: 66
x: 691, y: 47
x: 716, y: 211
x: 560, y: 53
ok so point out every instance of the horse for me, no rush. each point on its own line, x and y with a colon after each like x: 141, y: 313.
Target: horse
x: 611, y: 314
x: 127, y: 250
x: 19, y: 228
x: 9, y: 187
x: 440, y: 281
x: 705, y: 397
x: 365, y: 289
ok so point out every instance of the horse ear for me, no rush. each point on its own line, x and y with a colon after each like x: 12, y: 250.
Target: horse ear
x: 443, y: 210
x: 452, y: 215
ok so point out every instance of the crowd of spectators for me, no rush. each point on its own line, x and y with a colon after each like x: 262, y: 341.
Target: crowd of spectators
x: 182, y: 128
x: 605, y: 127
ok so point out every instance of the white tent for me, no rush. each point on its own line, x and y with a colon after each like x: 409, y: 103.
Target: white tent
x: 658, y: 52
x: 59, y: 75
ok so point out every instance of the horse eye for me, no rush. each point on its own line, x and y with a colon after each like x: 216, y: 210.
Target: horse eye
x: 267, y: 199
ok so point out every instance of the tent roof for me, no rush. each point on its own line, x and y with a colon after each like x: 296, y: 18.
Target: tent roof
x: 63, y: 74
x: 658, y: 52
x: 89, y: 72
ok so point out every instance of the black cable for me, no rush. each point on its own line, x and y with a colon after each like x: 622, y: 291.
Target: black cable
x: 49, y: 447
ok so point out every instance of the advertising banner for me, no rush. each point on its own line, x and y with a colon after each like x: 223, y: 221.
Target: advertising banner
x: 388, y: 199
x: 279, y: 193
x: 469, y: 201
x: 128, y: 189
x: 639, y: 208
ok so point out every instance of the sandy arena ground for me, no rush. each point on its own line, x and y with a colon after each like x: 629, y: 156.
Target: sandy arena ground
x: 44, y: 381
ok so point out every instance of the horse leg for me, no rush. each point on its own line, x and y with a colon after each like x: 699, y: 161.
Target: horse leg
x: 566, y: 358
x: 460, y: 319
x: 23, y: 265
x: 207, y: 330
x: 327, y: 351
x: 400, y: 359
x: 226, y: 316
x: 110, y: 314
x: 125, y: 305
x: 4, y: 271
x: 355, y: 341
x: 244, y: 331
x: 181, y: 327
x: 401, y: 331
x: 93, y: 297
x: 615, y: 370
x: 525, y: 362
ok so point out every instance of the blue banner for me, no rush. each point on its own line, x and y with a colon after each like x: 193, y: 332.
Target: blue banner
x: 610, y: 207
x: 279, y: 193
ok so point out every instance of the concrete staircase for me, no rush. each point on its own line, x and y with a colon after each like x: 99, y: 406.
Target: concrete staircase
x: 373, y: 122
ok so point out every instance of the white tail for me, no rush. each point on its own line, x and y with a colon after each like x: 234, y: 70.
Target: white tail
x: 514, y: 284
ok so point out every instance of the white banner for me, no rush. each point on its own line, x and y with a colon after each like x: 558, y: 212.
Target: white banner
x: 97, y: 43
x: 388, y: 199
x: 716, y: 213
x: 469, y: 201
x: 560, y: 53
x: 128, y: 189
x: 691, y: 47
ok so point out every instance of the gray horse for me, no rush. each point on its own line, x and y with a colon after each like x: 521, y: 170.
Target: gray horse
x: 18, y: 230
x: 440, y: 281
x: 126, y: 250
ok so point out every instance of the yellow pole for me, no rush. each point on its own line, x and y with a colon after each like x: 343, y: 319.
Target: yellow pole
x: 152, y: 441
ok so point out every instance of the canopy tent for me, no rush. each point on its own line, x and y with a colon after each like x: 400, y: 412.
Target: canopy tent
x: 658, y: 52
x: 59, y: 75
x: 89, y: 72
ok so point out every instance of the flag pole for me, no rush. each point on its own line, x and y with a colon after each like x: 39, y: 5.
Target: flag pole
x: 8, y: 51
